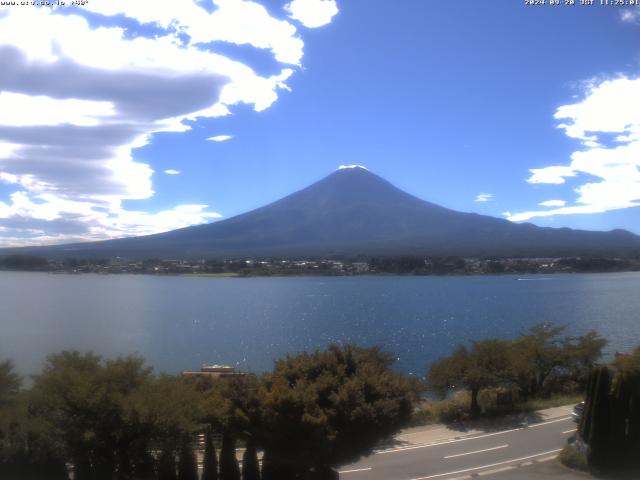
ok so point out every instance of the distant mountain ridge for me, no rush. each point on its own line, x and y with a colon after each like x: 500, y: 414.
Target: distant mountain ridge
x: 353, y: 212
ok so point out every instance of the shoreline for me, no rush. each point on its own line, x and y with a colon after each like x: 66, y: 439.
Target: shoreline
x: 332, y: 275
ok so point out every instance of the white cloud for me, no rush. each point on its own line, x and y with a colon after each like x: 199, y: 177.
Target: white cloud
x: 312, y: 13
x: 220, y: 138
x: 630, y: 16
x: 484, y: 197
x: 550, y: 175
x: 47, y: 219
x: 171, y: 171
x: 234, y: 21
x: 610, y: 107
x: 552, y: 203
x: 20, y: 110
x: 76, y: 101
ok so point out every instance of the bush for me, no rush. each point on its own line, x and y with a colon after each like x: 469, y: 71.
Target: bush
x: 570, y: 457
x: 454, y: 409
x: 424, y: 414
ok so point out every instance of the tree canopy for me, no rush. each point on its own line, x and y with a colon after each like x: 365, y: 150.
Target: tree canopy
x: 484, y: 365
x: 537, y: 362
x: 330, y: 407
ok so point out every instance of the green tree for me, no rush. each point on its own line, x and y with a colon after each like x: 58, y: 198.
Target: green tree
x: 544, y: 352
x: 12, y: 423
x: 28, y: 451
x: 10, y: 383
x: 83, y: 403
x: 231, y: 405
x: 581, y: 354
x: 166, y: 410
x: 68, y: 396
x: 326, y: 408
x: 628, y: 365
x: 485, y: 365
x: 541, y: 361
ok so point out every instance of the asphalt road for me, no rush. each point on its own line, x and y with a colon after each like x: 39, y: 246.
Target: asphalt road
x: 485, y: 454
x: 541, y: 471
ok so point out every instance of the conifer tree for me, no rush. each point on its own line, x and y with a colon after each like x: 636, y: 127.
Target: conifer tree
x: 599, y: 439
x: 167, y: 465
x: 144, y: 467
x: 250, y: 467
x: 229, y: 468
x: 187, y: 464
x: 210, y: 462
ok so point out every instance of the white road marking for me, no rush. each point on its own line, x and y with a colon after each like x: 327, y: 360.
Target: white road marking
x: 466, y: 439
x: 477, y: 451
x: 366, y: 469
x: 494, y: 471
x: 487, y: 466
x: 535, y: 425
x: 570, y: 431
x: 547, y: 459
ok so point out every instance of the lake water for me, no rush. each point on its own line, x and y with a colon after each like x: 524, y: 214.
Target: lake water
x: 179, y: 323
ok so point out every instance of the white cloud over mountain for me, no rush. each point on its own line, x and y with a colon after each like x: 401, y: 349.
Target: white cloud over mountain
x: 607, y: 124
x: 77, y: 99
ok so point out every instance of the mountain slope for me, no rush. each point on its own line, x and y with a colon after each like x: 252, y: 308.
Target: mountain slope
x: 350, y: 212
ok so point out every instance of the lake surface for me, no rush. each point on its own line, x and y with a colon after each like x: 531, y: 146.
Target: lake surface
x: 179, y: 323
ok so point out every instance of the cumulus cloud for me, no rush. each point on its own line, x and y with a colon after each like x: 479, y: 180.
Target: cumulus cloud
x: 555, y: 175
x: 610, y: 108
x: 233, y: 21
x: 171, y: 171
x: 312, y: 13
x: 220, y: 138
x: 484, y: 197
x: 76, y: 100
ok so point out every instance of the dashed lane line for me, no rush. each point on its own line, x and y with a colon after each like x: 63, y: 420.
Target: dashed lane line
x: 477, y: 451
x: 536, y: 425
x: 355, y: 470
x: 487, y: 466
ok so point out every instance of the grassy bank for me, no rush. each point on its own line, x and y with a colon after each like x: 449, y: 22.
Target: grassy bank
x: 456, y: 408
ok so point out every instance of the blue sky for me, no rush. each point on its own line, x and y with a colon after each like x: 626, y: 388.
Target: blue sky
x: 454, y: 102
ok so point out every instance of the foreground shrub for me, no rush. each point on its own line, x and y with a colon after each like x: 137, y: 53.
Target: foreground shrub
x: 330, y: 407
x: 570, y: 457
